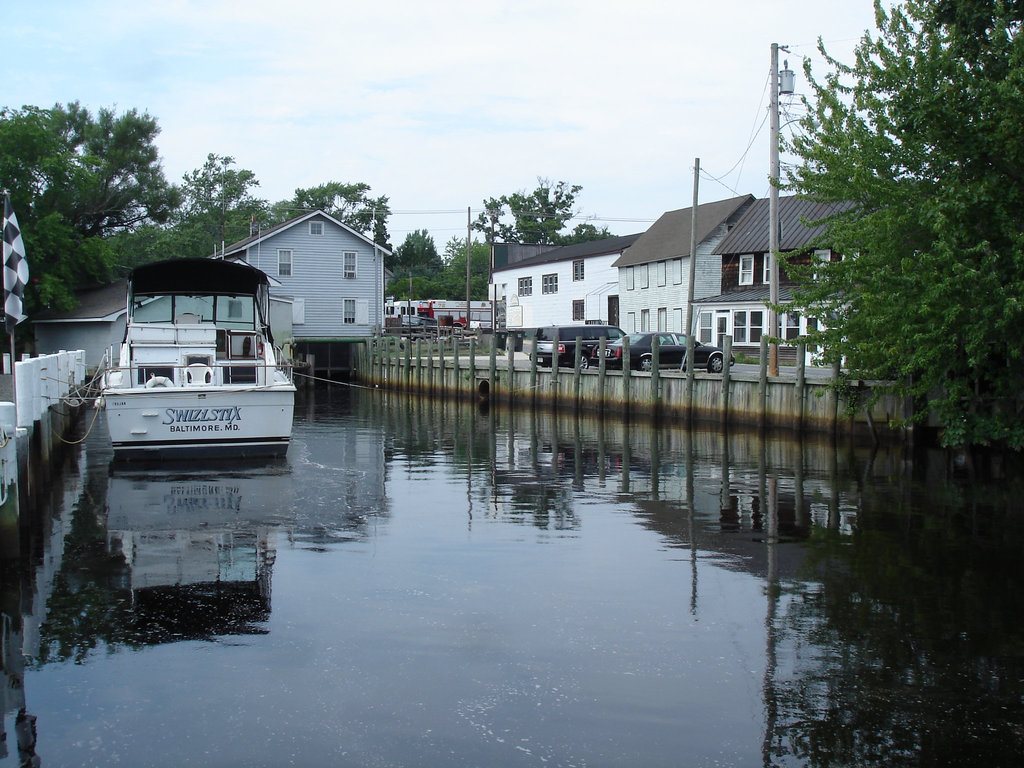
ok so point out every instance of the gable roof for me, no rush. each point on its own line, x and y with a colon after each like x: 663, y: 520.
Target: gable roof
x: 750, y: 235
x: 241, y: 246
x: 669, y: 237
x: 575, y: 251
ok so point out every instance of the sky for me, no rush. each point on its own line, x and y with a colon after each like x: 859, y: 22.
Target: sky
x: 441, y: 105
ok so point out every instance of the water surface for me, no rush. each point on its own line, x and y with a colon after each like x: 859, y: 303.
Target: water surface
x: 423, y: 584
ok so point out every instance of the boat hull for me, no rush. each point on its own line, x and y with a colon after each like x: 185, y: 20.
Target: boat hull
x: 216, y: 422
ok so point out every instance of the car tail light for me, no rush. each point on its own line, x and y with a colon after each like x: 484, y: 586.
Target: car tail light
x: 618, y: 351
x: 561, y: 349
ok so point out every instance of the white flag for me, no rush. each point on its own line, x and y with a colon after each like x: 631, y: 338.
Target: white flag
x: 15, y: 268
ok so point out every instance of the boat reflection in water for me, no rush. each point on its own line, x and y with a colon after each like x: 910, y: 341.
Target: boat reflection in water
x: 198, y: 547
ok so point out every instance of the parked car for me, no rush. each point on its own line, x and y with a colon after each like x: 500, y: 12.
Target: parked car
x: 591, y: 335
x: 671, y: 353
x: 419, y: 321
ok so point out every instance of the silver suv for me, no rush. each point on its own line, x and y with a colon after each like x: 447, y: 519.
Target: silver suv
x: 590, y: 335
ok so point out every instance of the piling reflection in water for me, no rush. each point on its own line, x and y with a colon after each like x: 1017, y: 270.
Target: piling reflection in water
x: 888, y: 621
x: 892, y: 604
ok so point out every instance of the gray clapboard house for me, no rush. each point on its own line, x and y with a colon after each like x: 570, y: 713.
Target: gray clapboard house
x: 334, y: 277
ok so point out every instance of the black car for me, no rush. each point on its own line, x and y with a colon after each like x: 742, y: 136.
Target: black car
x: 671, y: 353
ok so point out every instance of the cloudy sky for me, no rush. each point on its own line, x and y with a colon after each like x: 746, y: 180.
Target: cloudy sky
x: 439, y: 105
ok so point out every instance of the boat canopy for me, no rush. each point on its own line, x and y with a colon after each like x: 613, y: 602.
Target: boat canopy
x: 198, y: 276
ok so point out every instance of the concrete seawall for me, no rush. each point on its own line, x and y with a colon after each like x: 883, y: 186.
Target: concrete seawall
x: 796, y: 401
x: 32, y: 430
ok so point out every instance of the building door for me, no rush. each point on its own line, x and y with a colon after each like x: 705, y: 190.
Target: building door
x: 721, y: 328
x: 613, y: 310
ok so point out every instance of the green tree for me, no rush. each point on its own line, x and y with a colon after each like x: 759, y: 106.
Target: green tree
x: 453, y: 278
x: 923, y: 136
x: 416, y: 255
x: 349, y: 203
x: 535, y: 217
x: 218, y: 207
x: 76, y: 181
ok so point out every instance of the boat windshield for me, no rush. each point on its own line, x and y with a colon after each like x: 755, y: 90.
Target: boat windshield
x: 233, y: 312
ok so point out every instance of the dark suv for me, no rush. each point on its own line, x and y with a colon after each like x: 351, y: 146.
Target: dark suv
x: 591, y: 336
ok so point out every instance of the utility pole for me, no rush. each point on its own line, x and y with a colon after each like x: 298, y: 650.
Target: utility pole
x: 773, y: 209
x: 469, y: 233
x: 693, y: 249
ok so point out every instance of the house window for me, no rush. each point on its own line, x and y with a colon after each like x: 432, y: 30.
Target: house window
x: 316, y: 228
x: 677, y: 271
x: 631, y: 322
x: 645, y: 320
x: 663, y: 317
x: 630, y: 278
x: 284, y: 262
x: 577, y: 270
x: 645, y: 275
x: 549, y: 284
x: 349, y: 261
x: 747, y: 326
x: 661, y: 277
x: 820, y: 258
x: 766, y: 275
x: 526, y: 286
x: 747, y: 269
x: 790, y: 325
x: 348, y: 311
x: 578, y: 313
x: 704, y: 331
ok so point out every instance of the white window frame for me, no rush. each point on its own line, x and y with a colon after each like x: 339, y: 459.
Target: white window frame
x: 349, y: 260
x: 744, y: 329
x: 577, y: 270
x: 677, y: 271
x: 525, y: 286
x: 284, y: 262
x: 820, y: 257
x: 789, y: 325
x: 705, y: 327
x: 662, y: 317
x: 316, y: 229
x: 746, y: 272
x: 766, y: 269
x: 645, y: 320
x: 662, y: 267
x: 549, y: 283
x: 645, y: 275
x: 630, y: 279
x: 346, y: 305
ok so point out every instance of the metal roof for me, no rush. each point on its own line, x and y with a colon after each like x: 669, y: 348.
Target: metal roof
x: 750, y: 235
x: 758, y: 294
x: 669, y: 236
x: 576, y: 251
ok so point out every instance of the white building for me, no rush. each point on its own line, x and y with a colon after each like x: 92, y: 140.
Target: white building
x: 569, y: 284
